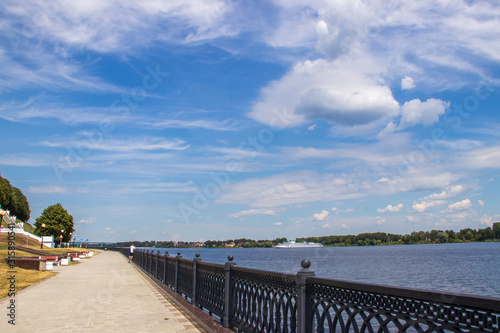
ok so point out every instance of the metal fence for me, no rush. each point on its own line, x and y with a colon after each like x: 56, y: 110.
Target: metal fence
x: 249, y: 300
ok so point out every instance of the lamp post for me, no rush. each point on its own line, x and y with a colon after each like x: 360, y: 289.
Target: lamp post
x: 41, y: 236
x: 60, y: 238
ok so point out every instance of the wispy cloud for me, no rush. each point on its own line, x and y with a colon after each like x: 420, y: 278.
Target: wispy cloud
x: 261, y: 211
x: 132, y: 144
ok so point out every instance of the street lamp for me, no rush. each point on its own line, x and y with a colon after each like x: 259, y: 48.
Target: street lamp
x: 41, y: 236
x: 60, y: 238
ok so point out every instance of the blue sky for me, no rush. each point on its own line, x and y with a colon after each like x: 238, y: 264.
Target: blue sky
x: 196, y: 120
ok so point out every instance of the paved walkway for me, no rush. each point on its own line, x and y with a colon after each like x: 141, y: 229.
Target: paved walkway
x: 101, y: 294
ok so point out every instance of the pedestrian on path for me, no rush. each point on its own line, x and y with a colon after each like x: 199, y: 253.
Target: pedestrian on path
x: 131, y: 252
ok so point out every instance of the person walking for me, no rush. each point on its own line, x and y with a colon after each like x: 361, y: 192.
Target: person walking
x: 131, y: 252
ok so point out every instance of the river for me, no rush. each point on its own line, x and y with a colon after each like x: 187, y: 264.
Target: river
x: 466, y: 268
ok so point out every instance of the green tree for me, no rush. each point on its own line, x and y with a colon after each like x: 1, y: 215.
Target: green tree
x: 496, y: 229
x: 13, y: 200
x: 442, y: 237
x: 55, y: 221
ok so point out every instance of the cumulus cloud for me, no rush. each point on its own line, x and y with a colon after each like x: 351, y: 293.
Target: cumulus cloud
x: 437, y: 199
x: 480, y: 202
x: 424, y: 205
x: 326, y: 91
x: 461, y: 205
x: 321, y: 216
x: 407, y: 83
x: 417, y: 112
x: 390, y: 208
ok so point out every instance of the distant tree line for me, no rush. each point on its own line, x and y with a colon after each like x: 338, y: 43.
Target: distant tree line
x: 363, y: 239
x: 420, y: 237
x: 164, y: 244
x: 244, y: 242
x: 13, y: 200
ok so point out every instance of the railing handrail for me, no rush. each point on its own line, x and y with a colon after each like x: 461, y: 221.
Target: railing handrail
x: 476, y: 301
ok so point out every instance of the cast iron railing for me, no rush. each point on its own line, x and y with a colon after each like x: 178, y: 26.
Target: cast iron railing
x: 250, y: 300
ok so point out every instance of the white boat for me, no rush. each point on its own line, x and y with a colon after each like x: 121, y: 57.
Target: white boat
x: 293, y: 244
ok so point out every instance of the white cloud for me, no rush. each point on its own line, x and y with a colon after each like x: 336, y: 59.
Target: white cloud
x: 416, y: 112
x: 48, y: 189
x: 407, y: 83
x: 488, y: 220
x: 437, y: 199
x: 480, y: 202
x: 133, y: 231
x: 340, y: 210
x: 105, y: 27
x: 327, y: 91
x: 291, y: 188
x: 326, y: 226
x: 261, y: 211
x: 345, y: 226
x: 390, y: 208
x: 480, y: 158
x: 107, y: 228
x: 89, y: 221
x: 424, y: 205
x: 461, y: 205
x: 278, y: 224
x: 321, y: 216
x: 137, y: 143
x: 312, y: 127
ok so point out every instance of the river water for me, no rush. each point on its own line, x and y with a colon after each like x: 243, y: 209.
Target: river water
x: 465, y: 268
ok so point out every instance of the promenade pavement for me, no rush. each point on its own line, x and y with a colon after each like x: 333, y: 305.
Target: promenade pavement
x: 104, y: 293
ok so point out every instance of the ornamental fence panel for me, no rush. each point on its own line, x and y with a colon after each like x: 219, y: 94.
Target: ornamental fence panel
x: 250, y: 300
x: 210, y: 286
x: 185, y: 278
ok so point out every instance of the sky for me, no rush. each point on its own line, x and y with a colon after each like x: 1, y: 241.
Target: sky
x: 196, y: 120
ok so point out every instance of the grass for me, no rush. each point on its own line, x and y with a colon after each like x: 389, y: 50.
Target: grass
x: 25, y: 277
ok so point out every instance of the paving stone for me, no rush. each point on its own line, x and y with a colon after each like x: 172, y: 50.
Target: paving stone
x: 101, y: 294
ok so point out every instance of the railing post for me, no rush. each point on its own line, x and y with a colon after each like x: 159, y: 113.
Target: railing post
x: 157, y: 263
x: 304, y: 308
x: 228, y: 292
x: 176, y: 281
x: 195, y: 278
x: 165, y: 269
x: 148, y: 264
x: 151, y: 262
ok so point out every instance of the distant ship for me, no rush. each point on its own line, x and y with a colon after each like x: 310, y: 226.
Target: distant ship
x: 293, y: 244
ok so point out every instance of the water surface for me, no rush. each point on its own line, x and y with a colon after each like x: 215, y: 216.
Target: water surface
x: 470, y: 268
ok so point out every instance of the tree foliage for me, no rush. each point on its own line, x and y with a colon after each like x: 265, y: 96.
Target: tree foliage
x: 13, y: 200
x: 55, y: 221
